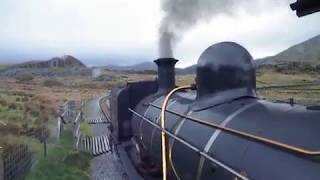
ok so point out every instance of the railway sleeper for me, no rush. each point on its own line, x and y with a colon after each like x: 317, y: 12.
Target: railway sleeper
x: 95, y: 145
x: 97, y: 121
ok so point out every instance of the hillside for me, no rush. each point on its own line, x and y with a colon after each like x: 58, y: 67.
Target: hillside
x: 136, y: 67
x: 305, y: 52
x: 58, y: 66
x: 146, y: 66
x: 187, y: 70
x: 56, y: 62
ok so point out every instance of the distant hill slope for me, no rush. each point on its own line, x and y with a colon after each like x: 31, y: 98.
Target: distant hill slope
x: 66, y: 61
x: 188, y: 70
x: 136, y: 67
x: 305, y: 52
x: 149, y: 66
x: 57, y: 66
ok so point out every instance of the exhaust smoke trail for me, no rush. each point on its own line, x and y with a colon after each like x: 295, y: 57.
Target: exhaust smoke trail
x: 96, y: 72
x: 181, y: 15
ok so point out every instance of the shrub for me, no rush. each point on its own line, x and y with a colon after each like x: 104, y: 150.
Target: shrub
x: 18, y: 99
x: 62, y: 162
x: 14, y: 118
x: 24, y: 77
x: 24, y: 99
x: 19, y: 93
x: 34, y: 113
x: 52, y: 82
x: 10, y: 129
x: 3, y: 102
x: 12, y: 106
x: 105, y: 77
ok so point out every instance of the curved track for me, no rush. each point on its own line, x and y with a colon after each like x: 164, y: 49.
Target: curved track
x: 106, y: 166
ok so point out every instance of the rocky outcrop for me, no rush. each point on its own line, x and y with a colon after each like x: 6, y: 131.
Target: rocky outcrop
x: 58, y: 66
x: 66, y: 61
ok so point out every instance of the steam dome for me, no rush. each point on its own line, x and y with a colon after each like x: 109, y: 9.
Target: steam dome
x: 225, y: 71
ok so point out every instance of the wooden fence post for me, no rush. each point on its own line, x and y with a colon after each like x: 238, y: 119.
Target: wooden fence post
x: 76, y: 129
x: 44, y: 141
x: 1, y: 168
x: 58, y: 128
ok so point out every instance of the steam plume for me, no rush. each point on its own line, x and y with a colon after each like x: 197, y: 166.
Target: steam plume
x: 96, y: 72
x: 181, y: 15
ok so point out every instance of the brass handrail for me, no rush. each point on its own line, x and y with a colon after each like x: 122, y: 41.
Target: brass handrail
x: 162, y: 125
x: 246, y: 135
x: 192, y: 147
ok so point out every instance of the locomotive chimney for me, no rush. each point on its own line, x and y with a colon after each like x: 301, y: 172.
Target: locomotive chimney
x: 166, y: 74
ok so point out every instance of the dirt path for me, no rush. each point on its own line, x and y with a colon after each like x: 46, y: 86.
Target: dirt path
x: 106, y: 166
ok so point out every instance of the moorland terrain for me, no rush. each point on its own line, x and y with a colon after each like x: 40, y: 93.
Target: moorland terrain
x: 31, y: 94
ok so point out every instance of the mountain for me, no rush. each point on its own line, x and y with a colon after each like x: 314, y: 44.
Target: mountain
x: 66, y: 61
x: 305, y: 52
x: 58, y: 66
x: 188, y: 70
x: 136, y: 67
x: 144, y: 66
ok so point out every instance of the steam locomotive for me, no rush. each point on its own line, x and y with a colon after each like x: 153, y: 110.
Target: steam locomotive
x: 218, y: 128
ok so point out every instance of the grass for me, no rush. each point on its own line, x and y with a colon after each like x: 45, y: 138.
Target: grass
x: 85, y: 129
x: 34, y: 144
x: 185, y: 79
x: 11, y: 110
x: 17, y: 109
x: 2, y: 66
x: 308, y: 95
x: 28, y: 105
x: 62, y: 162
x: 268, y: 77
x: 271, y: 77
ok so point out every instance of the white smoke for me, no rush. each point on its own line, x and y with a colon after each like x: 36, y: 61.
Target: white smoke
x: 181, y: 15
x: 96, y: 72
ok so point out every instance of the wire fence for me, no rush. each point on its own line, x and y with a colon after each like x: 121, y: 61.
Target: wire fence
x: 15, y: 162
x: 306, y: 93
x: 70, y: 113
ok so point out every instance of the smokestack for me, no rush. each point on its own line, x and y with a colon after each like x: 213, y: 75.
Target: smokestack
x: 166, y: 74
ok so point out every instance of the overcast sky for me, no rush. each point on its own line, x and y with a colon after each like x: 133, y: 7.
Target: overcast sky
x: 101, y: 32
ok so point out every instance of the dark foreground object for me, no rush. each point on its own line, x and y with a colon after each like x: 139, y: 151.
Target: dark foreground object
x: 225, y: 96
x: 305, y: 7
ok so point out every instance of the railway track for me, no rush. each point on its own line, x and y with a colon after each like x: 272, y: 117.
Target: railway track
x: 96, y: 145
x: 104, y: 107
x: 106, y: 163
x: 99, y: 143
x: 99, y: 120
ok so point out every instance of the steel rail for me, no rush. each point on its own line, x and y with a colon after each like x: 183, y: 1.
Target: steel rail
x: 106, y: 115
x: 3, y: 123
x: 202, y: 153
x: 246, y: 135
